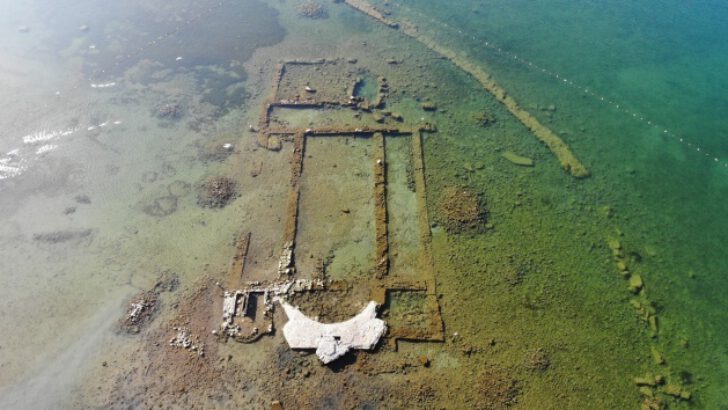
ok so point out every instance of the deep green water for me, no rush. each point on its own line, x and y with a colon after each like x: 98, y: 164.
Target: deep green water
x: 665, y: 61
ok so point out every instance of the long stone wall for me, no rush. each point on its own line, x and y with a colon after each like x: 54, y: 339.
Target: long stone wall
x: 558, y: 147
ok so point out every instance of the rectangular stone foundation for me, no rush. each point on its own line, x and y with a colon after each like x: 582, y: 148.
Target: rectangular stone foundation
x: 336, y: 207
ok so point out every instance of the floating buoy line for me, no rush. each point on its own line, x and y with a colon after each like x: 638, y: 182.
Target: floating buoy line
x: 570, y: 83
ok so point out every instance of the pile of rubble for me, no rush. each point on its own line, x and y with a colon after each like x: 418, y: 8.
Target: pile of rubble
x: 184, y: 340
x: 216, y: 192
x: 243, y: 323
x: 461, y: 209
x: 140, y: 311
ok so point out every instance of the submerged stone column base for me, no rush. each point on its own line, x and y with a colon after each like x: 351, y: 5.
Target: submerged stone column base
x: 333, y: 340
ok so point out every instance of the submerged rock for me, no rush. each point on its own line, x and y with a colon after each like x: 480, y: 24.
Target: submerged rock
x: 170, y: 111
x: 484, y: 118
x: 517, y: 159
x: 428, y: 106
x: 312, y: 10
x: 69, y: 235
x: 538, y: 360
x: 635, y: 283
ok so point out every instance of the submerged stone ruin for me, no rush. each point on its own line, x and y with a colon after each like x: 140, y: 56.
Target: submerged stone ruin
x: 553, y: 142
x: 247, y: 314
x: 248, y: 307
x: 325, y: 86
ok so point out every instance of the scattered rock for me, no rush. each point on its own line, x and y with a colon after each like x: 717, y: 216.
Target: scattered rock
x: 495, y: 390
x: 606, y: 211
x: 647, y: 380
x: 685, y: 377
x: 677, y: 391
x: 656, y: 355
x: 178, y: 188
x: 83, y: 28
x: 513, y: 275
x: 517, y: 159
x: 215, y: 152
x: 169, y: 111
x: 185, y: 340
x: 647, y: 392
x: 484, y: 118
x: 538, y: 360
x: 23, y: 29
x: 635, y: 283
x: 428, y: 106
x: 654, y: 329
x: 149, y: 176
x: 615, y: 246
x: 144, y: 306
x: 168, y: 282
x: 140, y: 311
x: 274, y: 143
x: 652, y: 403
x: 82, y: 199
